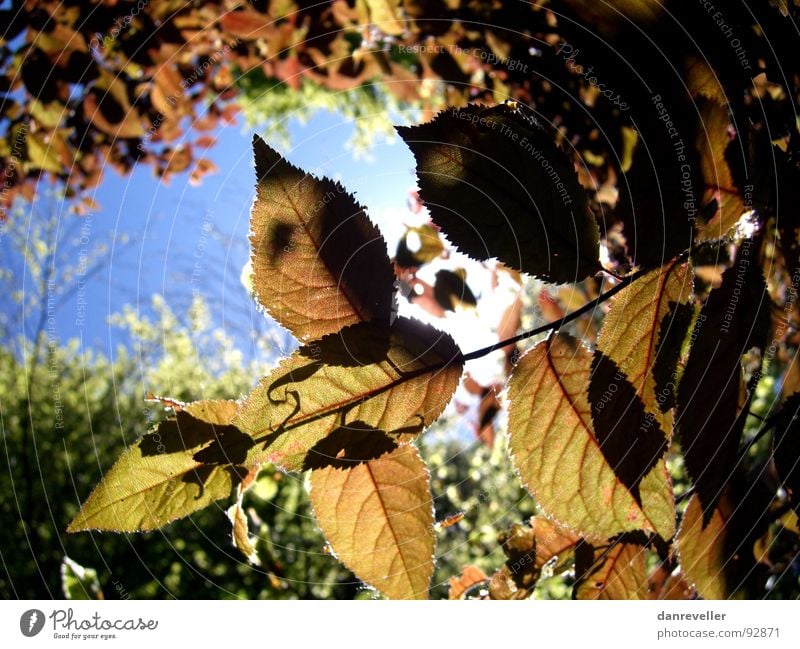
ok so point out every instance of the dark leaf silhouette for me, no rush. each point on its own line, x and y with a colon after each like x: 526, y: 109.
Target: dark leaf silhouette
x: 786, y: 447
x: 734, y: 319
x: 451, y: 290
x: 787, y: 209
x: 498, y: 186
x: 716, y: 552
x: 630, y: 438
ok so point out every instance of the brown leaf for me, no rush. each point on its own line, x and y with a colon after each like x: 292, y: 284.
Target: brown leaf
x: 734, y: 319
x: 616, y: 571
x: 319, y: 263
x: 558, y: 455
x: 378, y: 518
x: 470, y: 577
x: 350, y: 397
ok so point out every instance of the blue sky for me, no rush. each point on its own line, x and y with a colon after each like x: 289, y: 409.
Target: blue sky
x: 188, y: 240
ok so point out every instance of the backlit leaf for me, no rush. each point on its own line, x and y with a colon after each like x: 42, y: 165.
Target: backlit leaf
x: 78, y: 582
x: 643, y: 332
x: 378, y: 518
x: 240, y: 532
x: 734, y: 318
x: 384, y: 14
x: 701, y: 548
x: 419, y: 245
x: 517, y: 578
x: 185, y: 464
x: 717, y: 555
x: 717, y: 147
x: 319, y: 263
x: 498, y: 186
x: 470, y: 577
x: 630, y: 410
x: 351, y: 396
x: 616, y: 571
x: 558, y: 455
x: 552, y: 540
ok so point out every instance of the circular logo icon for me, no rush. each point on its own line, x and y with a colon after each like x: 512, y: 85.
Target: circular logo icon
x: 31, y: 622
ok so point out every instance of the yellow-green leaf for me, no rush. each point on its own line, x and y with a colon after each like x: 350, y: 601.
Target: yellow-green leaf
x: 319, y: 263
x: 713, y: 144
x: 240, y: 532
x: 378, y: 518
x: 633, y: 380
x: 702, y: 548
x: 385, y: 15
x: 351, y: 396
x: 558, y: 455
x: 643, y: 333
x: 419, y: 245
x: 186, y: 463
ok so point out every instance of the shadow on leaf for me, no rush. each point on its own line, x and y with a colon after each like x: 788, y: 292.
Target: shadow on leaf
x: 348, y: 445
x: 630, y: 438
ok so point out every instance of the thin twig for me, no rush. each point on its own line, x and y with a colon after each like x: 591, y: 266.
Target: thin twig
x: 625, y: 281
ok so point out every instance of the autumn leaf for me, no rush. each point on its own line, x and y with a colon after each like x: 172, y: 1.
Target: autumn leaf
x: 552, y: 540
x: 667, y: 584
x: 517, y: 578
x: 701, y: 548
x: 717, y: 147
x: 734, y: 319
x: 185, y: 464
x: 419, y: 245
x: 319, y: 263
x: 498, y: 186
x: 558, y: 454
x: 642, y: 333
x: 470, y: 577
x: 378, y: 518
x: 717, y: 553
x: 240, y: 533
x: 352, y: 396
x: 614, y: 571
x: 385, y: 15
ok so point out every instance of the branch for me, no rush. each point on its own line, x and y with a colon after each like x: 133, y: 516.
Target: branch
x: 625, y: 281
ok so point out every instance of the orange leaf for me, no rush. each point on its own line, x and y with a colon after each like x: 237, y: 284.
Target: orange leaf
x: 378, y: 518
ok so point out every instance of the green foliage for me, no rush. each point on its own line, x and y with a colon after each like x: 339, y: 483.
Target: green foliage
x: 79, y: 582
x: 270, y: 103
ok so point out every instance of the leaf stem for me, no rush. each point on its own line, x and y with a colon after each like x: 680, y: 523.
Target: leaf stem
x: 557, y: 324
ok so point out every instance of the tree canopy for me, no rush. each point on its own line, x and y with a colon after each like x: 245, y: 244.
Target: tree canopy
x: 626, y: 170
